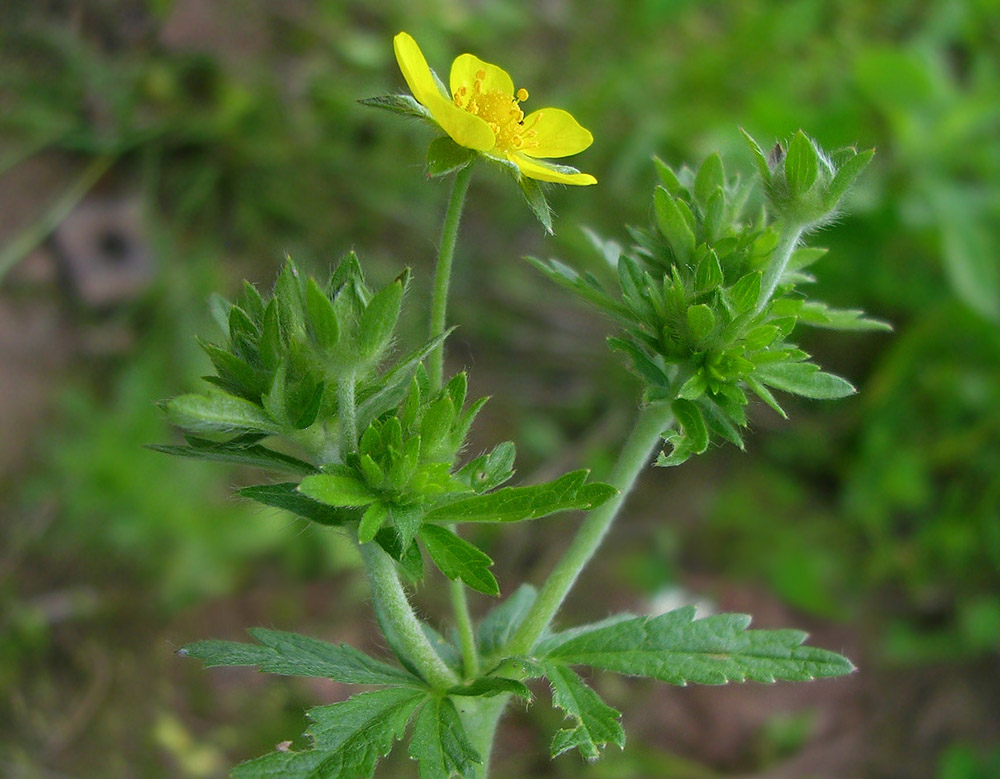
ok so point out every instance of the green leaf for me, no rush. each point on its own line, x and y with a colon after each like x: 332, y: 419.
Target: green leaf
x: 440, y: 743
x: 256, y: 456
x: 337, y: 490
x: 711, y: 177
x: 371, y: 521
x: 490, y: 686
x: 701, y: 321
x: 499, y: 624
x: 801, y: 164
x: 410, y: 560
x: 458, y: 559
x: 758, y: 157
x: 348, y: 738
x: 673, y: 225
x: 667, y: 177
x: 291, y: 654
x: 708, y: 275
x: 845, y: 177
x: 513, y: 504
x: 764, y: 394
x: 676, y: 648
x: 595, y: 724
x: 534, y: 196
x: 398, y: 104
x: 817, y: 314
x: 694, y: 436
x: 805, y: 379
x: 444, y: 156
x: 379, y: 321
x: 321, y: 316
x: 286, y: 496
x: 744, y: 293
x: 218, y: 413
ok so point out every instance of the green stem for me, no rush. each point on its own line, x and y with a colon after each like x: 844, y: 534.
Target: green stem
x: 783, y: 252
x: 392, y: 605
x: 442, y: 274
x: 347, y: 412
x: 466, y: 634
x: 640, y: 444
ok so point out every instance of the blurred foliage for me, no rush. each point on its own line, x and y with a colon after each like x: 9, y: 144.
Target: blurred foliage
x: 240, y: 126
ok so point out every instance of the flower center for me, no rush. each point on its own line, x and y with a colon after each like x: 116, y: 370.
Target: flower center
x: 502, y: 112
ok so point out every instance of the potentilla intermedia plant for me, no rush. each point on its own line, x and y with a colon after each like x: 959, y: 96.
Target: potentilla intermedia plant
x: 370, y: 442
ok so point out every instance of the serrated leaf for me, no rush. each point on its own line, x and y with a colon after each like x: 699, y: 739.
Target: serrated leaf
x: 513, y: 504
x: 398, y: 104
x: 291, y: 654
x: 817, y: 314
x: 499, y: 624
x: 595, y: 724
x: 676, y: 648
x: 218, y: 413
x: 337, y: 490
x: 444, y: 156
x: 801, y: 164
x: 673, y: 225
x: 256, y: 456
x: 348, y: 738
x: 805, y: 379
x: 286, y: 496
x: 458, y: 559
x: 440, y: 743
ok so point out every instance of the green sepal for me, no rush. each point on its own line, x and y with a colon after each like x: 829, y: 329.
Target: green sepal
x: 444, y: 156
x: 846, y: 175
x: 673, y: 225
x: 801, y: 164
x: 379, y: 320
x: 711, y: 177
x: 534, y: 196
x: 321, y: 316
x: 404, y: 105
x: 371, y: 521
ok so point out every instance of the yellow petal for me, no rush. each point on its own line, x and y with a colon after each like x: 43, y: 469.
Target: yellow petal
x: 464, y: 128
x: 415, y: 69
x: 558, y: 134
x: 464, y: 70
x: 534, y: 169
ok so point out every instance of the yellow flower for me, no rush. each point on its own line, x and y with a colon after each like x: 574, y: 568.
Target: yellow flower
x: 483, y: 113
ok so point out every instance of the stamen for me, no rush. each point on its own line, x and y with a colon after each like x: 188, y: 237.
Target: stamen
x: 522, y: 94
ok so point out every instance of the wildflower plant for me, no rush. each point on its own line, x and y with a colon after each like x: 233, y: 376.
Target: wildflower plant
x: 370, y: 442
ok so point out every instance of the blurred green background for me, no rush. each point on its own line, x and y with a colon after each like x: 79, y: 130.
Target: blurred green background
x: 154, y: 151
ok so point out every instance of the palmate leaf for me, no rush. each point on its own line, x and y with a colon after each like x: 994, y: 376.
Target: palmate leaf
x: 513, y: 504
x: 595, y: 724
x: 458, y: 559
x: 291, y: 654
x: 348, y: 738
x: 440, y: 742
x: 676, y: 648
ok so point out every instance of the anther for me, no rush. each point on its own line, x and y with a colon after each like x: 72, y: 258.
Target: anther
x: 522, y: 94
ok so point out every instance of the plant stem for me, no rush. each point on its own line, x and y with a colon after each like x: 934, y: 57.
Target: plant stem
x: 392, y: 603
x: 644, y: 437
x: 790, y: 235
x: 347, y: 412
x: 466, y: 634
x: 442, y: 274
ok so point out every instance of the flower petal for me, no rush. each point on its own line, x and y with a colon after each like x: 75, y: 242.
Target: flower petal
x: 537, y: 169
x: 464, y: 70
x: 415, y: 69
x: 558, y: 134
x: 464, y: 128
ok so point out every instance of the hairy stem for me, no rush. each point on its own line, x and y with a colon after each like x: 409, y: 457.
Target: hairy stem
x: 640, y: 444
x: 466, y: 633
x: 442, y: 274
x: 393, y: 606
x: 347, y: 412
x: 790, y: 236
